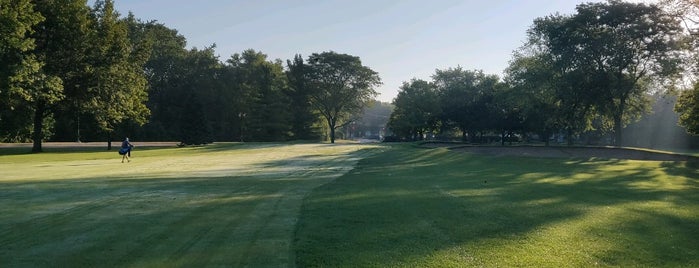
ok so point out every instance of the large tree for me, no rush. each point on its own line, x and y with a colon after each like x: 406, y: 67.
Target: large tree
x: 304, y: 118
x: 463, y: 97
x: 416, y: 110
x: 118, y: 89
x: 609, y: 48
x: 62, y: 43
x: 264, y: 84
x: 531, y: 79
x: 341, y: 86
x: 197, y: 99
x: 688, y: 102
x: 23, y: 83
x: 165, y: 72
x: 688, y: 109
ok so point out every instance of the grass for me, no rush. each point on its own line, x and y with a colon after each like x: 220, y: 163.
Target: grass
x: 225, y: 205
x: 349, y: 205
x: 409, y: 207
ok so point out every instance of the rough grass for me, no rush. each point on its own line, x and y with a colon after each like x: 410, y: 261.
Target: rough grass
x: 224, y: 205
x: 410, y: 207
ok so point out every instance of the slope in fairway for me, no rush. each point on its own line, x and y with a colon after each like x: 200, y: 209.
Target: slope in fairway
x: 414, y: 207
x: 222, y: 205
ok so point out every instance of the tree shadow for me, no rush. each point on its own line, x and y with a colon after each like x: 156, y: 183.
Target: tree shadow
x: 220, y: 217
x: 142, y: 221
x: 410, y: 205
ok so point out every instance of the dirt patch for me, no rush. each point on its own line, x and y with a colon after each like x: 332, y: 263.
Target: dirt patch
x: 567, y: 152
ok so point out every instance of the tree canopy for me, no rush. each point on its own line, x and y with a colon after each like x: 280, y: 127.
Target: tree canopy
x: 74, y: 72
x: 341, y: 86
x: 585, y: 74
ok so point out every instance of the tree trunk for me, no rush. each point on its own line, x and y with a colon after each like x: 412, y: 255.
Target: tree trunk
x: 569, y: 137
x: 38, y: 134
x: 78, y: 127
x: 617, y: 130
x: 109, y: 141
x: 502, y: 138
x: 331, y: 124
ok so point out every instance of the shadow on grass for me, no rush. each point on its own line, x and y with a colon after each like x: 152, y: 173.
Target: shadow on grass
x: 192, y: 222
x: 434, y: 208
x: 116, y: 222
x: 222, y: 218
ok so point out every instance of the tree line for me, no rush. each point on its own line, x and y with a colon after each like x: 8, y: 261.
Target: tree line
x: 75, y: 72
x: 585, y: 75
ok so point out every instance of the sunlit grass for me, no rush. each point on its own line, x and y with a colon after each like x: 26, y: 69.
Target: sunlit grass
x: 230, y: 205
x: 412, y: 207
x: 272, y: 205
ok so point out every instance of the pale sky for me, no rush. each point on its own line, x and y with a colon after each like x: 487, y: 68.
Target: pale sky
x: 399, y: 39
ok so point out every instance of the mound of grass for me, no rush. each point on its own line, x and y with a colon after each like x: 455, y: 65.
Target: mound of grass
x: 411, y: 207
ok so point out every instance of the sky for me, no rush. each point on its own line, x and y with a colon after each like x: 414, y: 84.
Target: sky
x: 399, y: 39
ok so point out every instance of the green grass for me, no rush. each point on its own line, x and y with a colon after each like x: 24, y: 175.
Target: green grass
x: 224, y: 205
x: 349, y: 205
x: 409, y: 207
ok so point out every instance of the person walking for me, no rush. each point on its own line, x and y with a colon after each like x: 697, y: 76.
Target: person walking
x: 125, y: 150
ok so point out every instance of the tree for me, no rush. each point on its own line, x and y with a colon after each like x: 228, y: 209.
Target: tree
x: 502, y: 109
x: 118, y: 91
x: 62, y: 44
x: 304, y: 118
x: 416, y: 110
x: 198, y: 100
x: 195, y: 129
x: 608, y: 49
x: 532, y: 78
x: 373, y: 120
x: 166, y: 75
x: 463, y: 97
x: 25, y: 88
x: 341, y: 86
x: 267, y: 117
x: 688, y: 108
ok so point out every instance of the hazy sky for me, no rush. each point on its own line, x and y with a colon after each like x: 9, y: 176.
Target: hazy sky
x: 401, y: 39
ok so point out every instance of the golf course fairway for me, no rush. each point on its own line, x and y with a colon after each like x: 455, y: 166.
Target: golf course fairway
x: 343, y: 205
x: 220, y: 205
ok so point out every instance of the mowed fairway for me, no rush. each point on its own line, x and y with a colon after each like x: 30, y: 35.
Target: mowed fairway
x: 346, y: 205
x: 417, y: 207
x: 221, y: 205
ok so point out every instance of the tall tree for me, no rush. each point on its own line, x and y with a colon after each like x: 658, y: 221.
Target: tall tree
x: 23, y: 83
x: 688, y: 108
x: 532, y: 79
x: 463, y: 96
x: 197, y: 97
x: 118, y: 91
x: 62, y: 41
x: 611, y: 47
x: 687, y: 11
x: 268, y: 117
x: 304, y: 118
x: 341, y: 86
x: 417, y: 109
x: 165, y: 72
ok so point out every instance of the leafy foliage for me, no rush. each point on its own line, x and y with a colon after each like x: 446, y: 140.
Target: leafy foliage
x: 606, y: 49
x: 417, y: 110
x: 341, y: 86
x: 304, y: 118
x: 688, y: 108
